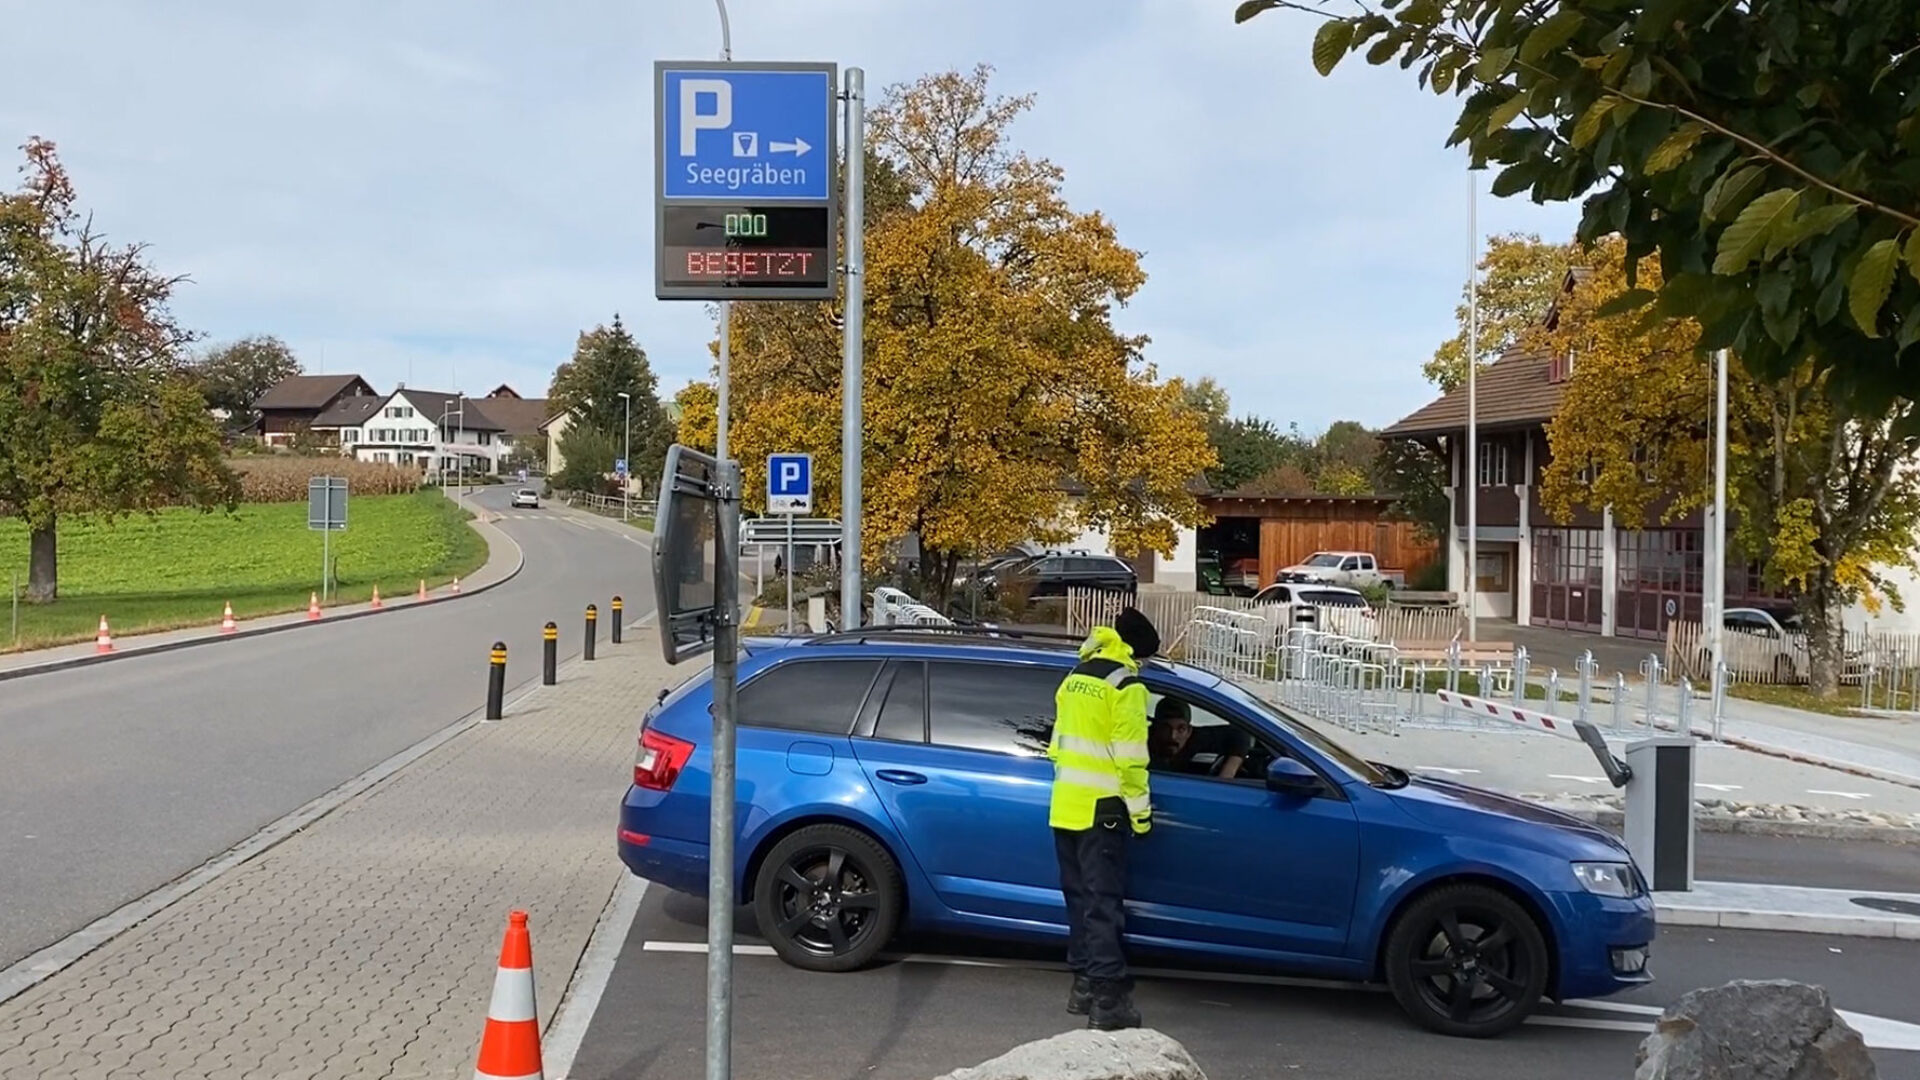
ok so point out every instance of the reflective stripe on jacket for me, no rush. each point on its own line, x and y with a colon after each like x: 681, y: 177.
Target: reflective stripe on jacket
x: 1099, y: 746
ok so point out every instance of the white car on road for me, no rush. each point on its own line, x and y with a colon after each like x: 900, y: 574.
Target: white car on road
x: 526, y: 497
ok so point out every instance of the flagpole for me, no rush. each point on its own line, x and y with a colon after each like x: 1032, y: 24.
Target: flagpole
x: 1473, y: 407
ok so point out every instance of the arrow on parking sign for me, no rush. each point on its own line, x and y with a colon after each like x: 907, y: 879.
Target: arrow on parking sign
x: 797, y: 147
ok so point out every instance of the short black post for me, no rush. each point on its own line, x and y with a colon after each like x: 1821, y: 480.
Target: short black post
x: 617, y: 606
x: 593, y: 619
x: 550, y: 661
x: 496, y: 680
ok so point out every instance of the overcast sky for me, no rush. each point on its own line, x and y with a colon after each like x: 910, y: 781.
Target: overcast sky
x: 445, y: 193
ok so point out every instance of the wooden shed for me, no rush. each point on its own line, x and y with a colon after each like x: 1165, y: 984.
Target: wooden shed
x: 1282, y: 530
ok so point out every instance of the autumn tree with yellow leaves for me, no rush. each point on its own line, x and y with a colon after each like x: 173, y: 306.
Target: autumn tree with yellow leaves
x: 1825, y: 498
x: 995, y: 381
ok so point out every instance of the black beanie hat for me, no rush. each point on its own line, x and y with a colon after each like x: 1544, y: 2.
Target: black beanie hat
x: 1137, y: 631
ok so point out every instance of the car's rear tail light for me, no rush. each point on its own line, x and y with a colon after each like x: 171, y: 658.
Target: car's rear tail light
x: 660, y: 760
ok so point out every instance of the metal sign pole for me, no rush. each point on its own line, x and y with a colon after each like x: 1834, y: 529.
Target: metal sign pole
x: 789, y: 573
x: 326, y: 559
x: 720, y: 901
x: 851, y: 385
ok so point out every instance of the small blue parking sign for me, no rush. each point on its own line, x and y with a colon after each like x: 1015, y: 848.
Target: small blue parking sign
x: 789, y: 483
x: 620, y: 468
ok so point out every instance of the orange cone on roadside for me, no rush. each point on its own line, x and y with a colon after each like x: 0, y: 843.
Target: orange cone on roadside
x: 376, y: 596
x: 103, y: 641
x: 313, y: 605
x: 226, y: 620
x: 510, y: 1045
x: 423, y: 588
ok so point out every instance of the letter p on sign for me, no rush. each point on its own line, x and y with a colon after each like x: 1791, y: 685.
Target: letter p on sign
x: 789, y: 476
x: 693, y: 121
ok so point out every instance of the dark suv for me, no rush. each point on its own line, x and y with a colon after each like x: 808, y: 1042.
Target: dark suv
x: 1053, y: 574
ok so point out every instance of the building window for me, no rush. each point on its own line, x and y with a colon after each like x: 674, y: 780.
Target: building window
x: 349, y: 434
x: 1493, y: 464
x: 485, y: 438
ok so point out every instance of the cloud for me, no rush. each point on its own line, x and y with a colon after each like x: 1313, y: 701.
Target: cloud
x: 444, y: 186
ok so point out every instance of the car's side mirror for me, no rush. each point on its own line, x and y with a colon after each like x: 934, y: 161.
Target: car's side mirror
x: 1289, y: 777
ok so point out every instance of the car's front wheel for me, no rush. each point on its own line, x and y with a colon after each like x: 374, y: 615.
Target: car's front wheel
x: 1468, y: 961
x: 827, y: 898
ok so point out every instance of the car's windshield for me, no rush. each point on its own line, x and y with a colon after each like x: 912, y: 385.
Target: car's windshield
x: 1359, y: 767
x: 1322, y: 558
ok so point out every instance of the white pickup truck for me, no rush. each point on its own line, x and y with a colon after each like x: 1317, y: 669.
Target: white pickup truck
x: 1353, y: 569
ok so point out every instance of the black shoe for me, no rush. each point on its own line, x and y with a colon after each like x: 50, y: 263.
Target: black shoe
x: 1112, y: 1008
x: 1080, y: 998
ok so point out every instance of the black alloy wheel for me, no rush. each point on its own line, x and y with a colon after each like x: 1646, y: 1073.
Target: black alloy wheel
x: 1467, y: 961
x: 827, y: 897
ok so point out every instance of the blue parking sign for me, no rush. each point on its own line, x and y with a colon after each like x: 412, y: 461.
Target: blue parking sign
x: 789, y: 483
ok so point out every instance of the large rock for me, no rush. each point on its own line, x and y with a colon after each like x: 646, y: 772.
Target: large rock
x: 1774, y: 1030
x: 1137, y: 1054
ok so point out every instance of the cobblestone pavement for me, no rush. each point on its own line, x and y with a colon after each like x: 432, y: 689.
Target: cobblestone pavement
x: 365, y: 945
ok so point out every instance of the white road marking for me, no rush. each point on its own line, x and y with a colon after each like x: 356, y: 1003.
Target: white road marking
x: 1879, y: 1032
x: 1581, y: 779
x: 1716, y: 787
x: 1444, y: 769
x: 1637, y: 1026
x: 1840, y: 794
x: 583, y: 991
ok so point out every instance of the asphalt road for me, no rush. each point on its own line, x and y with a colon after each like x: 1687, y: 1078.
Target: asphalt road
x: 118, y: 778
x: 938, y: 1010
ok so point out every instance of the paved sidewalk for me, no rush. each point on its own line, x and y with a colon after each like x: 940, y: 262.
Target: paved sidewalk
x: 503, y: 562
x: 365, y: 944
x: 1883, y: 747
x: 1787, y: 907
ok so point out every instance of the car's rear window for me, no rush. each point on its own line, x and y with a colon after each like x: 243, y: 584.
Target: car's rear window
x: 1324, y: 598
x: 819, y: 696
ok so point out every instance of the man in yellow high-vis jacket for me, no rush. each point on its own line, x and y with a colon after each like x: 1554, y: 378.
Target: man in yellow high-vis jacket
x: 1099, y: 803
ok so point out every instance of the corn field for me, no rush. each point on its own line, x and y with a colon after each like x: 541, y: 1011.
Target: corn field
x: 284, y: 479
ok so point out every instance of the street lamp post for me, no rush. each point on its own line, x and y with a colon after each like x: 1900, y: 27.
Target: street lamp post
x: 626, y: 461
x: 440, y: 432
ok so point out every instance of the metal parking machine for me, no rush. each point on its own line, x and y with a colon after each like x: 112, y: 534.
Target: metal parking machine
x: 1656, y: 778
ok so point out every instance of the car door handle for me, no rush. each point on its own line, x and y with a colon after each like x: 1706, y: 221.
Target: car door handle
x: 900, y: 776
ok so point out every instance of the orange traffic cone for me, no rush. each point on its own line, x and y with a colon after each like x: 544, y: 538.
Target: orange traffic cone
x: 423, y: 588
x: 376, y: 596
x: 103, y: 641
x: 456, y: 583
x: 226, y: 620
x: 313, y: 605
x: 510, y: 1045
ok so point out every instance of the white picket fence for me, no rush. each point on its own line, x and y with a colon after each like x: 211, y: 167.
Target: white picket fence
x: 1884, y: 666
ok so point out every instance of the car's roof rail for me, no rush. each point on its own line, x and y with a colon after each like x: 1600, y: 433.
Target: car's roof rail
x: 999, y: 635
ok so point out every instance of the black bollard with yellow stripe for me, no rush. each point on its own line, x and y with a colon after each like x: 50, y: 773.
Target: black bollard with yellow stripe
x: 496, y: 680
x: 550, y: 658
x: 618, y: 604
x: 593, y: 620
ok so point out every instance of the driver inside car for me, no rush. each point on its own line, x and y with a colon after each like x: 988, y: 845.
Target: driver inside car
x: 1172, y: 743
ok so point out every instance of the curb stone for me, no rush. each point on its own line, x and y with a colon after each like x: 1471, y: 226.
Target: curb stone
x: 519, y: 563
x: 1728, y: 823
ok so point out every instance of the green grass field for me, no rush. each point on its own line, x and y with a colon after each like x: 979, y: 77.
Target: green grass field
x: 179, y: 568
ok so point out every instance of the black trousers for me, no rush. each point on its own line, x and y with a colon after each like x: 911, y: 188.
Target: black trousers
x: 1093, y: 876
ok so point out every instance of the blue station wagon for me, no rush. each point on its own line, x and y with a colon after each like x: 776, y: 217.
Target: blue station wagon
x: 895, y: 780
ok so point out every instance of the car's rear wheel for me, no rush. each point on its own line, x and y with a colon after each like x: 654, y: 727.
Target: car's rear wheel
x: 1783, y: 671
x: 1467, y: 961
x: 827, y: 897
